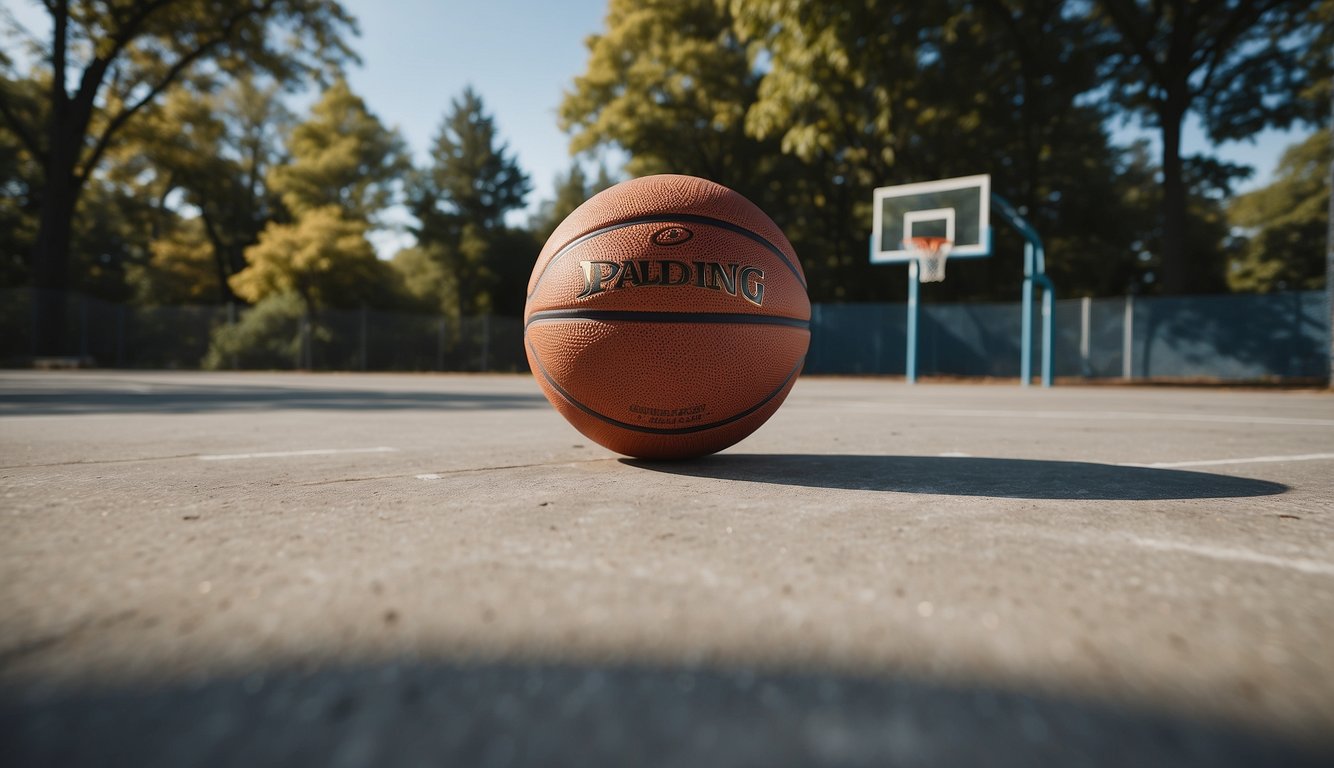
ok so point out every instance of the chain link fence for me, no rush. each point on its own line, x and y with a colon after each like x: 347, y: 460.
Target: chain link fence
x: 1236, y: 337
x: 123, y: 336
x: 1283, y: 336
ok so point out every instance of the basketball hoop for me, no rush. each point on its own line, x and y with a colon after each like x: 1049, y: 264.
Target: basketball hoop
x: 931, y: 253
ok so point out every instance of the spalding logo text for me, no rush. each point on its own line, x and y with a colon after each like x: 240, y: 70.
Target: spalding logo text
x: 730, y: 278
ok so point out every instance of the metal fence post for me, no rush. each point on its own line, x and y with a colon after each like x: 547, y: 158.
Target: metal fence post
x: 486, y: 340
x: 1048, y: 310
x: 231, y: 320
x: 1128, y: 338
x: 120, y: 335
x: 303, y: 348
x: 910, y: 367
x: 1085, y: 320
x: 440, y: 344
x: 83, y: 328
x: 364, y: 322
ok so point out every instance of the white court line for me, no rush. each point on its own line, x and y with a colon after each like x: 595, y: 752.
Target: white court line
x: 1114, y: 416
x: 1223, y: 462
x: 1239, y: 555
x: 281, y: 454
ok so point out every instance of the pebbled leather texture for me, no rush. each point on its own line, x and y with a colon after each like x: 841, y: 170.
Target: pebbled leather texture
x: 697, y: 321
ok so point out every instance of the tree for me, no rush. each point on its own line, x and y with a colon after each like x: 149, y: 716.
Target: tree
x: 20, y: 181
x: 461, y: 200
x: 341, y: 156
x: 343, y: 169
x: 1237, y: 65
x: 1285, y: 223
x: 269, y: 335
x: 473, y: 175
x: 428, y: 286
x: 877, y: 92
x: 181, y: 268
x: 669, y: 82
x: 571, y: 189
x: 323, y: 257
x: 215, y: 148
x: 106, y: 62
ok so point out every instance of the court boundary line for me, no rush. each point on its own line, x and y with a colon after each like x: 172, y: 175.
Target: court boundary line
x: 287, y: 454
x: 1224, y: 462
x: 1103, y: 415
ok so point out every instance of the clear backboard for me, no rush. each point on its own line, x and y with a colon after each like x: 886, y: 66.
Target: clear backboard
x: 958, y: 210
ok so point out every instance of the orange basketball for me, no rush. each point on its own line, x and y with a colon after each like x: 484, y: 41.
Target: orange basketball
x: 667, y: 317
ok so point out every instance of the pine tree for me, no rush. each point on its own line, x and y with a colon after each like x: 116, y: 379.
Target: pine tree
x: 461, y: 200
x: 342, y: 156
x: 571, y: 189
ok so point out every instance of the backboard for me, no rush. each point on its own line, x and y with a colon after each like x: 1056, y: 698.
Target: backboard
x: 956, y: 209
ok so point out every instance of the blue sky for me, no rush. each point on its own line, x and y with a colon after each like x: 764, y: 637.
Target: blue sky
x: 520, y: 55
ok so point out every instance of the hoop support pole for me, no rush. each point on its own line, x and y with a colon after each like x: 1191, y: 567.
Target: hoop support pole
x: 1035, y: 271
x: 1026, y: 321
x: 910, y: 369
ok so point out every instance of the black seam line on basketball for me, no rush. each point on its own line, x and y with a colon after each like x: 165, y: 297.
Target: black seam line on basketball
x: 632, y: 316
x: 658, y: 430
x: 693, y: 218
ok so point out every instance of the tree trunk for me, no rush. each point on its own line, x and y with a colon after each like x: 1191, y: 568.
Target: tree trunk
x: 60, y: 192
x: 1177, y: 271
x: 51, y: 264
x: 223, y: 259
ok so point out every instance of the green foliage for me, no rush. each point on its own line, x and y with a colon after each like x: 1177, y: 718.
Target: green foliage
x: 572, y: 188
x: 211, y: 151
x: 323, y: 257
x: 267, y: 336
x: 883, y: 92
x: 1238, y: 65
x: 805, y: 108
x: 428, y: 286
x: 106, y: 63
x: 511, y: 253
x: 342, y: 170
x: 837, y: 74
x: 341, y: 156
x: 461, y: 201
x: 1285, y: 224
x: 20, y: 181
x: 180, y: 270
x: 669, y: 82
x: 124, y: 58
x: 472, y: 177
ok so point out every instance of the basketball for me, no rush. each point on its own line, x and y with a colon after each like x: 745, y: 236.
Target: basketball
x: 667, y: 317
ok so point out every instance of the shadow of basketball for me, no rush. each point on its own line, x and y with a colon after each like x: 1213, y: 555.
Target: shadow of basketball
x: 968, y: 476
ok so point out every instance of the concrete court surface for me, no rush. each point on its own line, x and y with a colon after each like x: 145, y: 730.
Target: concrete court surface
x: 289, y: 569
